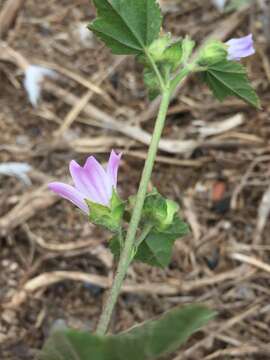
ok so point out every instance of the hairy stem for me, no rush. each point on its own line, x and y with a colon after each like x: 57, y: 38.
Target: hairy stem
x: 156, y: 70
x: 127, y: 253
x: 181, y: 75
x: 143, y: 235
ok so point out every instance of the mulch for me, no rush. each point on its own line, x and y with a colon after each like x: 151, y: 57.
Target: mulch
x: 214, y: 160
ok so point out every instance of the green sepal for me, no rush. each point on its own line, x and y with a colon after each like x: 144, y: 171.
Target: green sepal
x: 147, y: 341
x: 173, y: 55
x: 109, y: 217
x: 229, y: 78
x: 187, y: 48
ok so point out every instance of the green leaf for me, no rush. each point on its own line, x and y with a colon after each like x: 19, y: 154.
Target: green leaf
x: 229, y: 78
x: 157, y: 248
x: 127, y: 26
x: 146, y: 341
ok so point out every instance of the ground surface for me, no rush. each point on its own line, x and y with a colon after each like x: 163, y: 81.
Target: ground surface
x: 220, y: 182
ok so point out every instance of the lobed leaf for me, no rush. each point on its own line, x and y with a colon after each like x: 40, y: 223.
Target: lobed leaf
x: 156, y: 249
x: 229, y: 78
x: 146, y: 341
x: 127, y: 26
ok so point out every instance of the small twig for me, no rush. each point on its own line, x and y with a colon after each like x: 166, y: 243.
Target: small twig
x: 171, y: 287
x: 251, y: 261
x: 80, y: 105
x: 263, y: 215
x: 245, y: 178
x: 245, y: 350
x: 8, y: 15
x: 28, y: 206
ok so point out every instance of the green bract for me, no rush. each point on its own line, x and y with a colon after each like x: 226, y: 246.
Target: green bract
x: 108, y: 217
x: 146, y: 341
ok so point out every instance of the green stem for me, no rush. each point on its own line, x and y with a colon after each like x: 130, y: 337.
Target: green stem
x: 143, y: 235
x: 180, y: 76
x: 127, y: 253
x: 156, y: 70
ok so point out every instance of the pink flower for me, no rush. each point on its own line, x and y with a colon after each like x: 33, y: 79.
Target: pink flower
x: 92, y: 182
x: 240, y: 48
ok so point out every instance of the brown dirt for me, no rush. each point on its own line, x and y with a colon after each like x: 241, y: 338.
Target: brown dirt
x: 224, y: 263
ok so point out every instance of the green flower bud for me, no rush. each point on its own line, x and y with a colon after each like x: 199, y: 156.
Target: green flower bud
x: 212, y: 53
x: 159, y: 211
x: 172, y: 208
x: 157, y: 48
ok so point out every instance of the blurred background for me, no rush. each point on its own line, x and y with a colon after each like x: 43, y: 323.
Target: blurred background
x: 63, y: 96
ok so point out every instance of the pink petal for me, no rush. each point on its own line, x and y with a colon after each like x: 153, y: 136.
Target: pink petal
x: 70, y: 193
x: 98, y: 179
x: 83, y: 182
x: 112, y: 167
x: 242, y: 41
x: 240, y: 48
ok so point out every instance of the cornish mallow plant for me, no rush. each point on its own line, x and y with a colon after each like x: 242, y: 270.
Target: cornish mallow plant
x: 145, y: 226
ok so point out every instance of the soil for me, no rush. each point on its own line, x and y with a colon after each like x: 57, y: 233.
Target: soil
x: 222, y: 184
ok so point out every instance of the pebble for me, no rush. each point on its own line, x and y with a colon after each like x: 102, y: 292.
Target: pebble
x: 9, y: 316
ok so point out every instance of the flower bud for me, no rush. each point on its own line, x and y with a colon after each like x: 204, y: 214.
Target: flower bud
x: 212, y: 53
x: 157, y: 48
